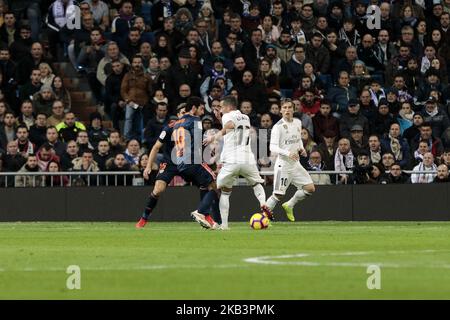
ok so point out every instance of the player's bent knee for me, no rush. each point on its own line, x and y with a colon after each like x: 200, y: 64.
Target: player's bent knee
x: 159, y: 188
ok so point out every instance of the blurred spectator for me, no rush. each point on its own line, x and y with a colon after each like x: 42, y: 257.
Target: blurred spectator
x: 55, y: 180
x: 341, y: 94
x: 445, y: 158
x: 21, y: 45
x: 437, y: 118
x: 122, y: 24
x: 426, y: 165
x: 304, y: 118
x: 27, y: 91
x: 324, y: 121
x: 426, y: 134
x: 26, y: 117
x: 396, y: 175
x: 71, y: 153
x: 132, y: 152
x: 69, y: 128
x: 44, y: 155
x: 114, y: 103
x: 387, y: 160
x: 442, y: 174
x: 344, y: 159
x: 30, y: 62
x: 61, y: 93
x: 13, y: 160
x: 413, y: 131
x: 26, y: 147
x: 83, y: 142
x: 405, y: 117
x: 351, y: 118
x: 382, y: 120
x: 362, y: 169
x: 181, y: 73
x: 308, y: 142
x: 38, y: 129
x: 43, y: 100
x: 358, y: 141
x: 375, y: 150
x: 104, y: 68
x: 327, y: 148
x: 120, y: 164
x: 95, y: 130
x: 247, y: 109
x: 315, y: 163
x: 30, y: 181
x: 57, y: 113
x: 52, y: 139
x: 115, y: 142
x: 102, y: 154
x: 85, y: 163
x: 100, y: 11
x: 47, y: 74
x: 398, y: 145
x: 7, y: 129
x: 420, y: 152
x: 136, y: 90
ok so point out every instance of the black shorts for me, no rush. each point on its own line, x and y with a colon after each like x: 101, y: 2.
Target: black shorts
x: 199, y: 174
x: 167, y: 171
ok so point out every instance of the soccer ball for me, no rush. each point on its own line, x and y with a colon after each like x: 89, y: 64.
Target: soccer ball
x: 259, y: 221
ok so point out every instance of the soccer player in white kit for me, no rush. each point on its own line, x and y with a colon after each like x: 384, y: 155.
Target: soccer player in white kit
x: 237, y: 157
x: 286, y: 141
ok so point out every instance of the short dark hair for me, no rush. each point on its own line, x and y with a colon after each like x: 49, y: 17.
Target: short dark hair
x: 87, y: 151
x: 22, y: 126
x: 193, y: 102
x: 46, y: 146
x: 230, y: 101
x: 161, y: 103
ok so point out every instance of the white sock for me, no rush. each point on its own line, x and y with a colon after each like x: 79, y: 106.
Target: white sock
x: 272, y: 202
x: 224, y: 206
x: 298, y: 196
x: 260, y: 194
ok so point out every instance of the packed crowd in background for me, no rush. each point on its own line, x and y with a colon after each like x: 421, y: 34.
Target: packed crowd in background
x: 372, y: 101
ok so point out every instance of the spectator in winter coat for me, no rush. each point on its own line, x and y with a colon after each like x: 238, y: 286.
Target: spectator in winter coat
x: 436, y: 117
x: 353, y: 117
x: 340, y: 94
x: 30, y: 181
x: 398, y: 145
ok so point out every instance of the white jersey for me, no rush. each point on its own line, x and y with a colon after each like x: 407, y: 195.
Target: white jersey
x: 236, y: 142
x: 286, y: 138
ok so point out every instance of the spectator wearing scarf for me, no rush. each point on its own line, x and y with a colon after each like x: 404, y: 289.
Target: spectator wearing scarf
x: 426, y: 165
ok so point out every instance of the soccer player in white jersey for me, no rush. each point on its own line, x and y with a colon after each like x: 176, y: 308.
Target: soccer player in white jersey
x: 286, y: 141
x: 237, y: 157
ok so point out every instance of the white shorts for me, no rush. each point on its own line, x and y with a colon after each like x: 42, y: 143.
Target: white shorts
x: 230, y: 171
x: 286, y: 173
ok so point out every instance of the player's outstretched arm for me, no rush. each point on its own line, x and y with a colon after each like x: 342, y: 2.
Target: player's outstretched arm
x: 228, y: 126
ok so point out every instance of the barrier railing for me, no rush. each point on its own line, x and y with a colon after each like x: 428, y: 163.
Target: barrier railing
x: 114, y: 178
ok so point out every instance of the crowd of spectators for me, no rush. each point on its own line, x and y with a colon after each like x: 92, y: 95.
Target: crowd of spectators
x: 372, y: 101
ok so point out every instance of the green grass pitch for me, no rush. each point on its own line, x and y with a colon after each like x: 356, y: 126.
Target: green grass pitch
x: 320, y: 260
